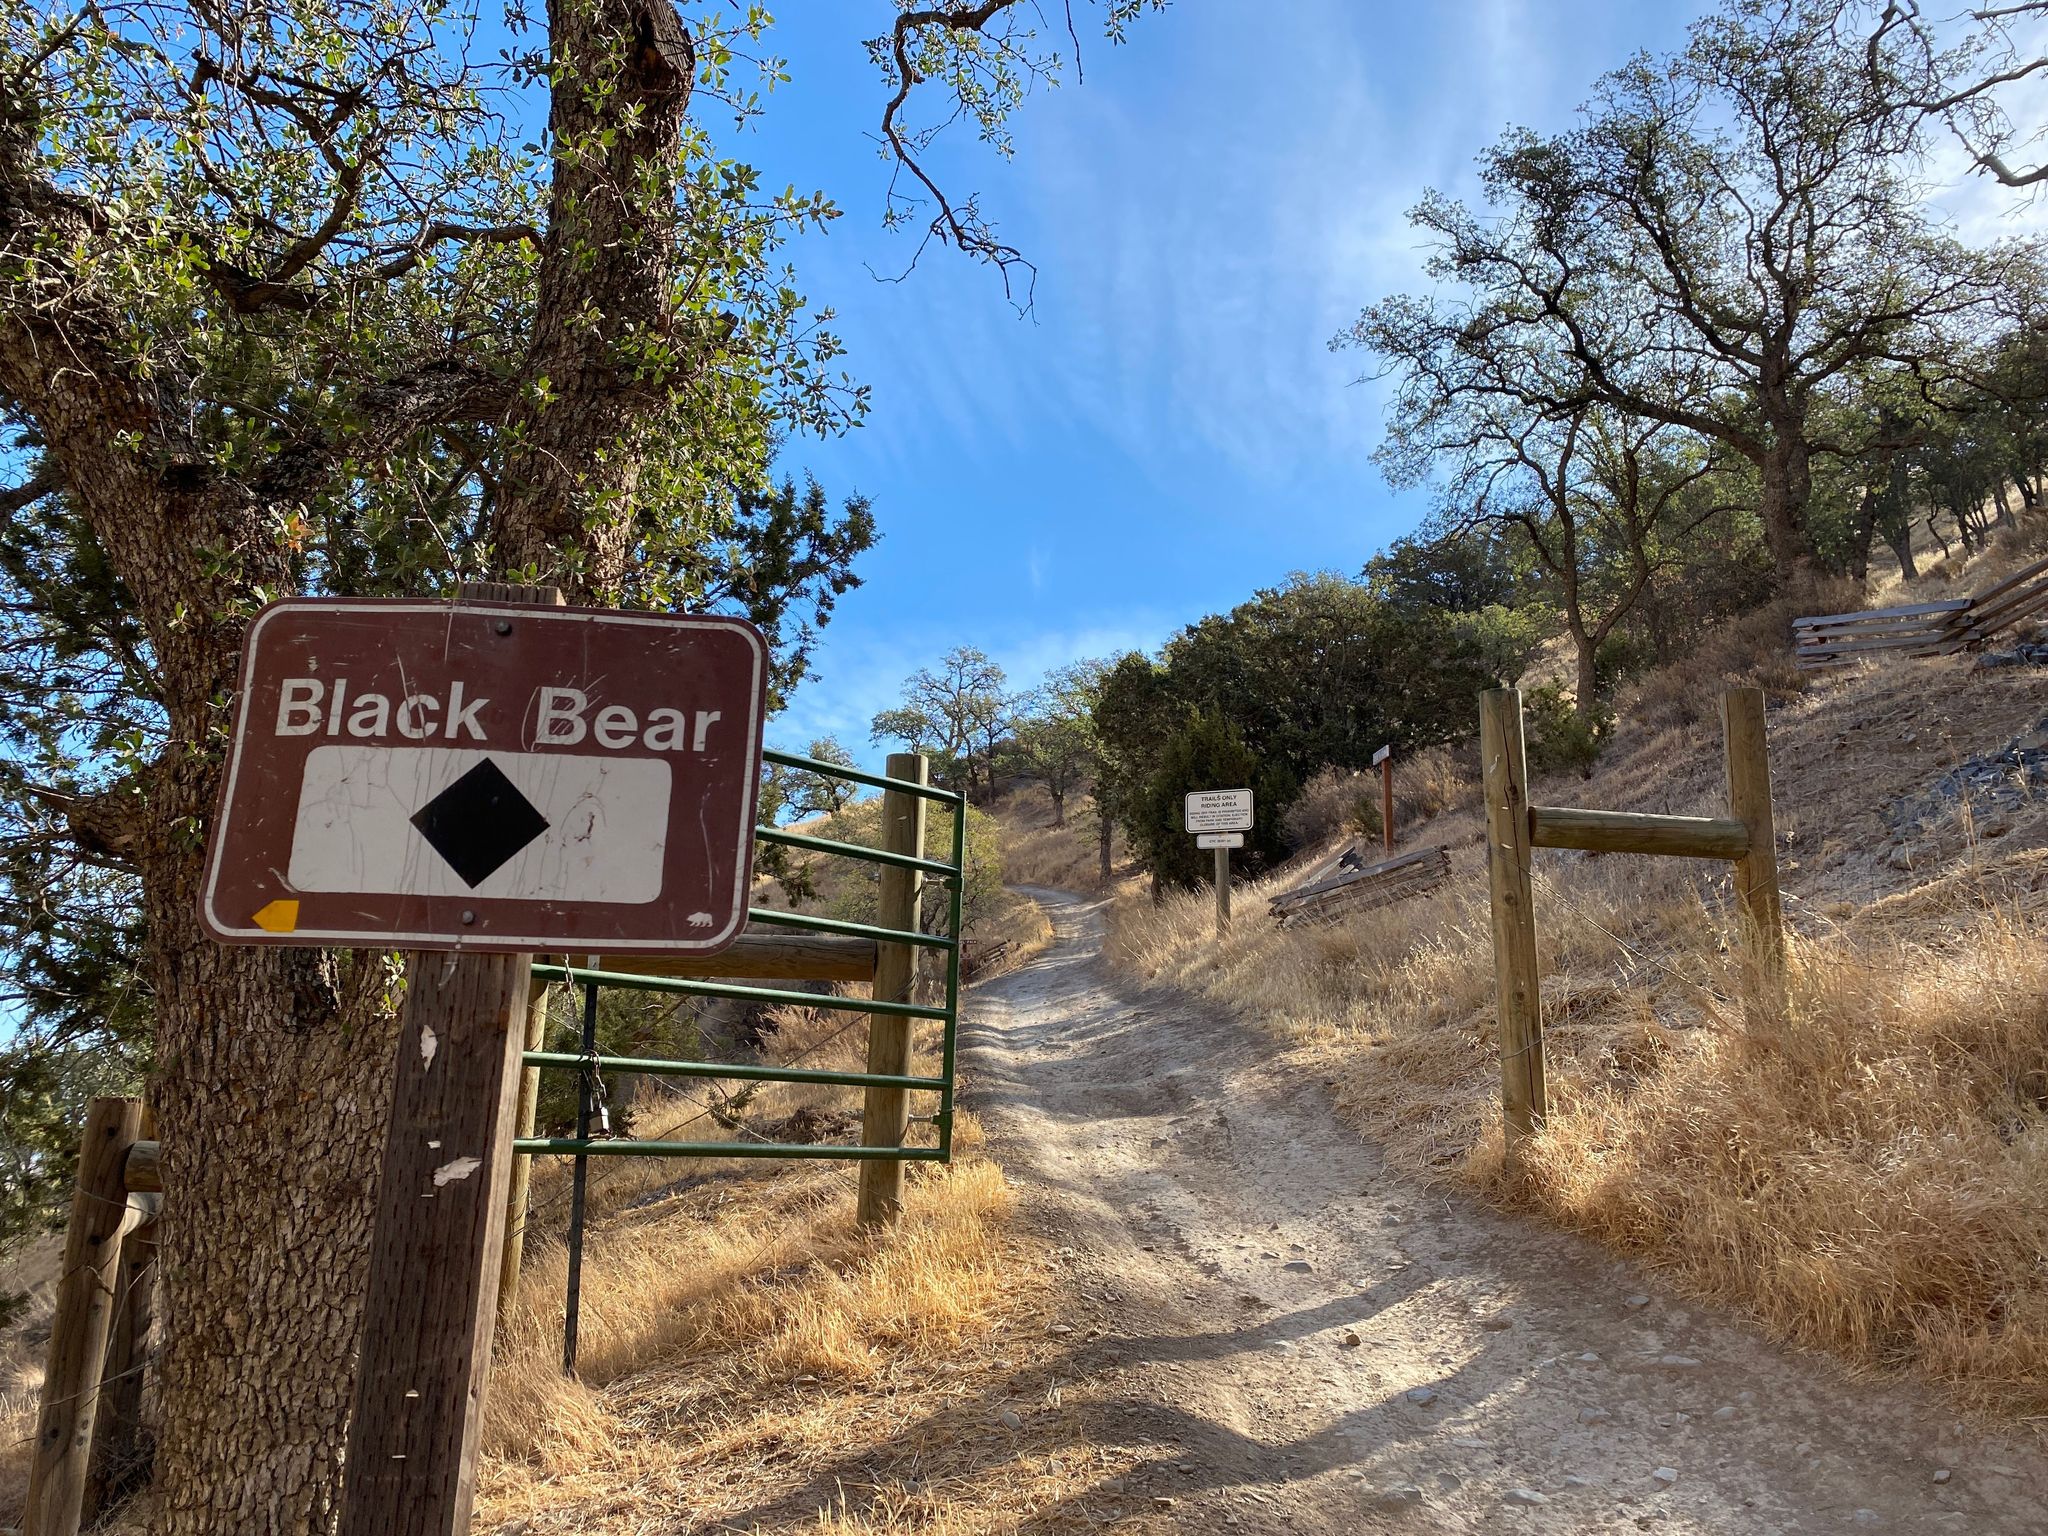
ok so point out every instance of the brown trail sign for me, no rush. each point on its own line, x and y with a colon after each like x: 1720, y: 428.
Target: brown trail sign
x: 489, y: 776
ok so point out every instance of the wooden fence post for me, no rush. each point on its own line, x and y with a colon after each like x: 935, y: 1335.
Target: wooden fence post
x: 521, y: 1179
x: 1222, y: 892
x: 1761, y: 912
x: 86, y: 1295
x: 885, y: 1117
x: 120, y: 1450
x: 1514, y: 921
x: 438, y: 1252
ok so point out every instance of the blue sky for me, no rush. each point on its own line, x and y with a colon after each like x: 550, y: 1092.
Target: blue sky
x: 1168, y: 431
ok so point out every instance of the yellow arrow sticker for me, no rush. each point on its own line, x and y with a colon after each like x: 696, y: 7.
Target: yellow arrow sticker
x: 278, y: 917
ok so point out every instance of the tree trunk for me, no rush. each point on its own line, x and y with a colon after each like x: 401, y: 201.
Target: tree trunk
x: 621, y: 72
x: 1059, y: 806
x: 1585, y: 652
x: 272, y: 1065
x: 1865, y: 530
x: 1900, y: 537
x: 271, y: 1098
x: 1785, y: 474
x: 269, y: 1087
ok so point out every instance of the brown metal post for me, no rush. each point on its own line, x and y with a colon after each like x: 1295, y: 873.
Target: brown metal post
x: 1514, y: 922
x: 885, y: 1116
x: 86, y: 1290
x: 1222, y: 891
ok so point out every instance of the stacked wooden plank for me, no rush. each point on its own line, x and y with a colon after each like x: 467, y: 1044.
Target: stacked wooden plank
x: 1359, y: 888
x: 1922, y: 629
x: 1919, y: 629
x: 2021, y: 596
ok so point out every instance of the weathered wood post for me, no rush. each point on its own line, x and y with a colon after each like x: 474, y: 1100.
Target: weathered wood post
x: 1506, y: 769
x: 120, y: 1449
x: 1385, y: 758
x: 87, y: 1289
x: 885, y: 1118
x: 521, y: 1180
x: 1222, y: 891
x: 426, y: 1349
x: 441, y: 1211
x: 1761, y: 911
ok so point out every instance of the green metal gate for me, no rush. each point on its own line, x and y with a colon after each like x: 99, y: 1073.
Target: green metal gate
x: 951, y: 873
x: 591, y: 1064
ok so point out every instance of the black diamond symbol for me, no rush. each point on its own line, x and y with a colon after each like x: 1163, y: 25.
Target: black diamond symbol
x: 479, y: 822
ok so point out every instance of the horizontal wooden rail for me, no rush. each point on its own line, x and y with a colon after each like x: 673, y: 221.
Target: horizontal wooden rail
x: 2009, y: 609
x: 2020, y: 577
x: 1692, y: 837
x: 1882, y: 615
x: 1922, y: 629
x: 1929, y: 642
x: 1833, y: 633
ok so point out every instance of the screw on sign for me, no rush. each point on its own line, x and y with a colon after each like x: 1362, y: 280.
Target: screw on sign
x: 490, y: 777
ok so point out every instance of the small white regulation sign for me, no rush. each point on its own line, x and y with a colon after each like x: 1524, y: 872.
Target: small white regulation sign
x: 1218, y: 810
x: 1219, y: 840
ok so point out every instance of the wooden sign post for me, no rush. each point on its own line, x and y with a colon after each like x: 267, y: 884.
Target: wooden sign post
x: 1219, y: 818
x: 1384, y: 760
x: 473, y: 782
x: 1514, y: 827
x: 434, y: 1262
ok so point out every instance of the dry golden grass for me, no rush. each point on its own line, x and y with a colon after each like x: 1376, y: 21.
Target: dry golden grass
x: 1039, y: 851
x: 1868, y: 1175
x: 748, y: 1357
x: 30, y: 1270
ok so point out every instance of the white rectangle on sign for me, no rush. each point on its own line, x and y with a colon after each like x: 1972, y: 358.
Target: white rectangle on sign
x: 1219, y: 840
x: 437, y: 821
x: 1219, y: 810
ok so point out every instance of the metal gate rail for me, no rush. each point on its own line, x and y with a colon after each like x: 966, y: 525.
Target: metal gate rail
x: 589, y: 1060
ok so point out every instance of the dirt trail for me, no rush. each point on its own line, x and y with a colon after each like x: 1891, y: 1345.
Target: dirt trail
x: 1227, y: 1232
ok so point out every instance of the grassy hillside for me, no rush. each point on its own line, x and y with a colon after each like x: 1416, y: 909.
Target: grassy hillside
x: 1869, y: 1175
x: 1040, y: 849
